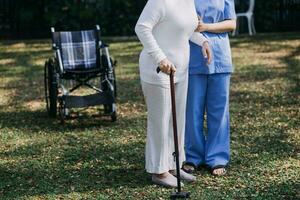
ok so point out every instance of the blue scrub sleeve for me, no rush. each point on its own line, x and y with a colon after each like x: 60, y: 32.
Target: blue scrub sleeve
x: 229, y: 10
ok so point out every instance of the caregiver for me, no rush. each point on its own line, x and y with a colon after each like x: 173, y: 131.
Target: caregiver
x: 164, y: 28
x: 208, y: 90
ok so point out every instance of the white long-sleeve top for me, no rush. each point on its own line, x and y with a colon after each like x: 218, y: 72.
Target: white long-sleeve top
x: 165, y: 28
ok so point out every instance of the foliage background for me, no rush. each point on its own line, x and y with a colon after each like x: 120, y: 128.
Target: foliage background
x: 32, y: 19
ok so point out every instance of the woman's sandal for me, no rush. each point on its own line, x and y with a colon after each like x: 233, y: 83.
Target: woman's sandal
x: 189, y: 167
x: 212, y: 170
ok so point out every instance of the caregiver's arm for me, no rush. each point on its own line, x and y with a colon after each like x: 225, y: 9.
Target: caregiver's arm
x: 152, y: 14
x: 220, y: 27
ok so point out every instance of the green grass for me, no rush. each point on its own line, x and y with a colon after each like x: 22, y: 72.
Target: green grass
x: 91, y: 158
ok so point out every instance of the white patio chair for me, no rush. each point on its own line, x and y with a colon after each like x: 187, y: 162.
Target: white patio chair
x: 250, y: 18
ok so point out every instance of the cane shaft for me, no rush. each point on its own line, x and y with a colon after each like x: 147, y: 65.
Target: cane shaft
x: 173, y: 100
x: 177, y: 194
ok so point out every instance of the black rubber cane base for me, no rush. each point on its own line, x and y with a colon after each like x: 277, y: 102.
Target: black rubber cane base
x: 180, y: 195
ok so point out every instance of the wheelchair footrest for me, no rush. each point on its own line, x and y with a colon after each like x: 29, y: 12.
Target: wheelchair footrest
x: 88, y: 100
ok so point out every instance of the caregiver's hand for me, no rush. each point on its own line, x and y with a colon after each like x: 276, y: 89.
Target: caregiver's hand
x: 206, y: 51
x: 201, y: 25
x: 166, y: 66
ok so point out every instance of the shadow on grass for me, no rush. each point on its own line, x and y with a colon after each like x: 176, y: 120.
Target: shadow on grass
x: 78, y: 167
x: 39, y: 122
x: 286, y: 190
x: 260, y: 123
x: 257, y: 73
x: 130, y: 91
x: 293, y: 70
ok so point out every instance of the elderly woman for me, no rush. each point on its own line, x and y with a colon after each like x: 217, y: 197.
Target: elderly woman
x: 208, y: 90
x: 164, y: 28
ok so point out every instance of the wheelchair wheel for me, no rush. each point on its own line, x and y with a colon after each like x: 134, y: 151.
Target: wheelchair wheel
x: 50, y: 88
x: 113, y: 116
x: 110, y: 110
x: 115, y: 83
x: 62, y: 111
x: 113, y: 78
x: 114, y: 113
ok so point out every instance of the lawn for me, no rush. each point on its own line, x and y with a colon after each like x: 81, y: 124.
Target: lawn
x: 92, y: 158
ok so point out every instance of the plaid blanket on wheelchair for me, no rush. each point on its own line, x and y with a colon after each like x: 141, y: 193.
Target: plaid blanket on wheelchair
x: 78, y: 50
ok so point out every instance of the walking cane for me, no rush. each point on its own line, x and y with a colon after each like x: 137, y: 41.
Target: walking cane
x: 178, y: 194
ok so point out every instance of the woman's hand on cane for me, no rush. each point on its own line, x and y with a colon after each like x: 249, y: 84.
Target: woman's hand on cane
x: 166, y: 66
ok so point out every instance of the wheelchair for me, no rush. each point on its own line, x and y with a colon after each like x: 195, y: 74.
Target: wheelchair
x: 80, y: 60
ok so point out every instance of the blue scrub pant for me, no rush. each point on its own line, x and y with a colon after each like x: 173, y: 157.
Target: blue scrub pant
x: 208, y: 94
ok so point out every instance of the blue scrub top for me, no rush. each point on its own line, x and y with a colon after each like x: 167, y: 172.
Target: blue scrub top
x: 213, y: 11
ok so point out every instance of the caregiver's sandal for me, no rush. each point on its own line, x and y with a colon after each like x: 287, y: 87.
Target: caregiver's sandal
x: 189, y: 167
x: 219, y: 170
x: 166, y: 180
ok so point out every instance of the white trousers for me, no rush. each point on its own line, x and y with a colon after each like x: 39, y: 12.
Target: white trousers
x: 160, y: 139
